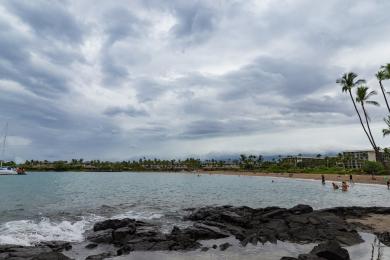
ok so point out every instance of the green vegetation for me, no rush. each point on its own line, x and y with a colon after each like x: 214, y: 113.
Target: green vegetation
x: 373, y: 168
x: 288, y: 164
x: 97, y: 165
x: 9, y: 164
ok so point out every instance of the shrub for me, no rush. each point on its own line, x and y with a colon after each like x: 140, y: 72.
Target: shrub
x: 373, y: 168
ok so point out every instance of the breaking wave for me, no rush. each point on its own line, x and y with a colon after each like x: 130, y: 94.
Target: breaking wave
x: 139, y: 215
x: 30, y: 232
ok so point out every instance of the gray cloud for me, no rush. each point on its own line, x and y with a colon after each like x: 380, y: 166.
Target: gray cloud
x: 129, y: 111
x: 164, y: 78
x: 48, y: 19
x: 195, y: 22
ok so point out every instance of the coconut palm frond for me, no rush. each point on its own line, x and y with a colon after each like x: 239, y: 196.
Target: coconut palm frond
x: 372, y: 93
x: 387, y: 122
x: 360, y: 81
x: 372, y: 102
x: 347, y: 81
x: 381, y: 75
x: 386, y: 69
x: 361, y: 93
x: 386, y: 132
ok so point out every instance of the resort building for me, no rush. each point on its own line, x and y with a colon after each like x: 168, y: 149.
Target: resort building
x: 303, y: 161
x: 356, y: 159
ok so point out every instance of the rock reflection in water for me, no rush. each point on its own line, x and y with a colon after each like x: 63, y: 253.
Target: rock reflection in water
x: 267, y: 251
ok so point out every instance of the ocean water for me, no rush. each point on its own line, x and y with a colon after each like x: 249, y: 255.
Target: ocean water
x: 44, y: 206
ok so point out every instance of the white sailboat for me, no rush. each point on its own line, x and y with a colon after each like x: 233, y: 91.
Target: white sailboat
x: 6, y: 170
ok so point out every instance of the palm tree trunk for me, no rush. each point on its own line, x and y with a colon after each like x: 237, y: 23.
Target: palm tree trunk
x: 384, y: 95
x: 368, y: 126
x: 360, y: 119
x: 378, y: 156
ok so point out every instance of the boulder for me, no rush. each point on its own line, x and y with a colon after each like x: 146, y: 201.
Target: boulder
x: 309, y: 257
x: 99, y: 256
x: 91, y: 245
x: 202, y: 231
x: 301, y: 209
x: 224, y: 246
x: 101, y: 236
x: 164, y: 245
x: 125, y: 250
x: 113, y: 224
x: 28, y: 252
x: 124, y: 233
x: 51, y: 256
x: 384, y: 238
x: 330, y: 250
x: 57, y: 246
x: 274, y: 213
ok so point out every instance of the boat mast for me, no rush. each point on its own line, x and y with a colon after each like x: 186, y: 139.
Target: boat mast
x: 4, y: 141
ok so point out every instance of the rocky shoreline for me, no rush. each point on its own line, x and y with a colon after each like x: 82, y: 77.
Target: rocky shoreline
x: 329, y: 228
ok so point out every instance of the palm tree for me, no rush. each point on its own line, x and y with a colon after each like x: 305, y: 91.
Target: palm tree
x: 386, y: 131
x: 362, y: 97
x: 347, y: 82
x: 383, y: 75
x: 386, y: 69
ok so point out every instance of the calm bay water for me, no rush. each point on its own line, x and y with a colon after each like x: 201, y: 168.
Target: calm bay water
x: 60, y: 206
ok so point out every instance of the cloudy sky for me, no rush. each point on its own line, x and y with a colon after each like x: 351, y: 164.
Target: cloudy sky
x: 122, y: 79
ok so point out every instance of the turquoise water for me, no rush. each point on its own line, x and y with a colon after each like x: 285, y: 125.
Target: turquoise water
x: 39, y: 206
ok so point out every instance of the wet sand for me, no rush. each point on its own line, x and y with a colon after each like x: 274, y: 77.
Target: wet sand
x: 380, y: 179
x: 376, y: 222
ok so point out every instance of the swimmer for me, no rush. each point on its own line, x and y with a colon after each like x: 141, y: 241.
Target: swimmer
x: 344, y: 186
x: 335, y: 186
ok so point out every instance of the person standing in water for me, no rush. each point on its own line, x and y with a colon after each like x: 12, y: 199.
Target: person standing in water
x: 344, y: 186
x: 388, y: 184
x: 323, y: 179
x: 350, y: 178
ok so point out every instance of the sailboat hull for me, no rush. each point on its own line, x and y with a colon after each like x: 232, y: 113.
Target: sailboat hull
x: 8, y: 171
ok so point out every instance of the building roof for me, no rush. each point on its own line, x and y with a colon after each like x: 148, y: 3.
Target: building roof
x: 359, y: 151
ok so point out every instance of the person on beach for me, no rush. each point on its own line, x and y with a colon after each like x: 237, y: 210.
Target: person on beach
x: 344, y: 186
x: 323, y: 179
x: 335, y: 186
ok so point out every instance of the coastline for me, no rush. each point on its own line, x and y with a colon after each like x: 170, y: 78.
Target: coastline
x: 366, y: 179
x: 357, y: 178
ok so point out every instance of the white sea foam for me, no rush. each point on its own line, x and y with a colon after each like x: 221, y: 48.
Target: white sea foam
x: 139, y: 215
x: 28, y: 232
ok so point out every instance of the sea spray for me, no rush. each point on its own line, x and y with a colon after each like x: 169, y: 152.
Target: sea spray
x: 139, y: 215
x: 29, y: 232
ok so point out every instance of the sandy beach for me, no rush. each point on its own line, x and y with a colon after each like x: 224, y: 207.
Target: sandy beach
x: 380, y: 179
